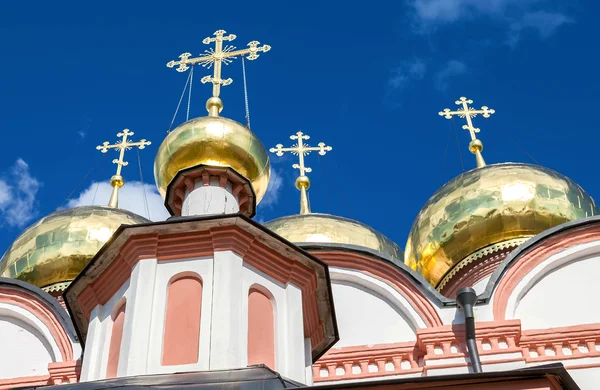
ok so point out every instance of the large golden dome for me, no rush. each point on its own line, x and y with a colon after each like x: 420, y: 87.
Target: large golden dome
x: 51, y: 252
x: 216, y: 141
x: 325, y: 228
x: 488, y: 206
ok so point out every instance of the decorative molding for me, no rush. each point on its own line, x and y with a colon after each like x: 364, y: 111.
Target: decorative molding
x: 496, y: 338
x: 487, y: 252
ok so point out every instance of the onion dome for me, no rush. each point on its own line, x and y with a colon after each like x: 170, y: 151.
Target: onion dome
x: 51, y: 252
x: 489, y: 207
x: 330, y: 229
x: 213, y: 141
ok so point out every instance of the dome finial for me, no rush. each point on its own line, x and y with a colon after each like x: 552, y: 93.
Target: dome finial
x: 117, y: 180
x: 301, y: 149
x: 475, y: 146
x: 216, y: 58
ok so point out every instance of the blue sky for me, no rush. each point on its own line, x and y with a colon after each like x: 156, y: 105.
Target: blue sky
x: 368, y: 79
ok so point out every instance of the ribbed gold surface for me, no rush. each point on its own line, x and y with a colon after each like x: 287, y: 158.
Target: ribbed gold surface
x: 488, y: 205
x: 325, y: 228
x: 57, y: 247
x: 213, y: 141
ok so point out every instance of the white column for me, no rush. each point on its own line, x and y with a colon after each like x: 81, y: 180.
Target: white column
x: 209, y: 200
x: 227, y: 328
x: 139, y: 310
x: 308, y: 362
x: 291, y: 346
x: 90, y: 369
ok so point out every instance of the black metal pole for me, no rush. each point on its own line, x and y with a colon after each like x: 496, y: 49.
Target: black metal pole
x: 466, y: 298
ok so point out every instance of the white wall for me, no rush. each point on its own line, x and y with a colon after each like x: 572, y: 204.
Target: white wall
x: 558, y: 292
x: 25, y: 350
x: 226, y: 283
x: 370, y: 311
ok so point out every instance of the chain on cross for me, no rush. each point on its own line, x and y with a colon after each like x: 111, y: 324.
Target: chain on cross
x: 217, y: 56
x: 121, y: 146
x: 301, y: 149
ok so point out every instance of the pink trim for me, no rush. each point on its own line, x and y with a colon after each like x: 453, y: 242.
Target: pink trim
x: 115, y: 342
x: 40, y: 310
x: 182, y: 320
x: 354, y: 362
x: 23, y: 381
x: 64, y: 372
x: 261, y: 329
x: 536, y: 255
x: 447, y: 342
x: 388, y: 274
x: 197, y: 244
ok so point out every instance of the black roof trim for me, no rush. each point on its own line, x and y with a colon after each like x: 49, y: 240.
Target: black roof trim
x: 52, y: 303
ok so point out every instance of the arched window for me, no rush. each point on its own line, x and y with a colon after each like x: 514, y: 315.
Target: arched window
x: 261, y: 329
x: 182, y: 321
x: 116, y: 337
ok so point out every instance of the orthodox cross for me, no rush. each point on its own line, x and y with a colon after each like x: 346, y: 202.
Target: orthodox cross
x: 217, y: 57
x: 121, y: 146
x: 475, y: 146
x: 468, y: 113
x: 301, y: 149
x: 124, y: 144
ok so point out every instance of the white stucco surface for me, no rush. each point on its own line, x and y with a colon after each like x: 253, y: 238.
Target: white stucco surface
x: 25, y: 350
x: 557, y: 292
x: 366, y: 317
x: 209, y: 200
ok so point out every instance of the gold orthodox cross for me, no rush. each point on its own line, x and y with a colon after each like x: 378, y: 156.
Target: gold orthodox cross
x: 124, y: 144
x: 121, y: 146
x: 475, y: 146
x: 217, y: 57
x: 301, y: 149
x: 468, y: 113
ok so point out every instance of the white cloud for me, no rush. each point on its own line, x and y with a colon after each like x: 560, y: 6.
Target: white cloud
x: 273, y: 191
x: 18, y: 195
x: 408, y: 71
x: 542, y: 22
x: 452, y: 69
x: 131, y: 197
x: 515, y: 15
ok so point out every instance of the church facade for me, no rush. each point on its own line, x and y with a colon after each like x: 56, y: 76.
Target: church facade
x: 495, y: 288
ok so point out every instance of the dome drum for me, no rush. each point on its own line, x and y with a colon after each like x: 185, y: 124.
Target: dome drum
x: 185, y: 181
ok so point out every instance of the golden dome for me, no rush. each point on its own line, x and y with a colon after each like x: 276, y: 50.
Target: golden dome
x: 487, y: 206
x: 216, y: 141
x: 51, y: 252
x: 325, y: 228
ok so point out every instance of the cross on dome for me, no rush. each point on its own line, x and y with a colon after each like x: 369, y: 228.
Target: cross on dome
x: 124, y: 144
x: 302, y: 149
x: 475, y: 146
